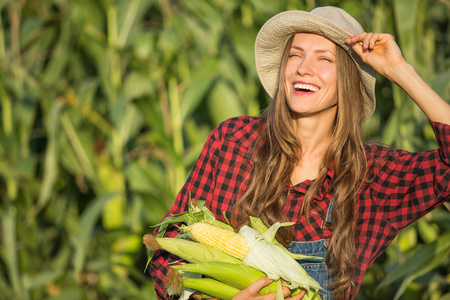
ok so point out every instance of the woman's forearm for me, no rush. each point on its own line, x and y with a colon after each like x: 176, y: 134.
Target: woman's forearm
x: 434, y: 107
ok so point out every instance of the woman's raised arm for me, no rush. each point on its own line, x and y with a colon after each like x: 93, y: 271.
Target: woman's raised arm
x: 381, y: 52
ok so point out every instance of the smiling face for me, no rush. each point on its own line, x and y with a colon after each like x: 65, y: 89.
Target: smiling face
x: 310, y: 76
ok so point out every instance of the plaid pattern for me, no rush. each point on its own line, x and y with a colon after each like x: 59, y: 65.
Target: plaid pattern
x: 404, y: 187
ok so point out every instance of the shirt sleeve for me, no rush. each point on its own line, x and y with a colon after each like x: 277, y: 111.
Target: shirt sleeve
x: 409, y: 185
x: 198, y: 186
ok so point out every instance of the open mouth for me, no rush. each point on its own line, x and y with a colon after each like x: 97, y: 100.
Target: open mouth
x: 302, y: 87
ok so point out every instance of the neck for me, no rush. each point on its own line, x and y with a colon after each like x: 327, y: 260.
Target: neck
x: 314, y: 132
x: 314, y: 135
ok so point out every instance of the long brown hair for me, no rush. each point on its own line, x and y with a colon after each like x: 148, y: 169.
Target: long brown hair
x: 279, y: 151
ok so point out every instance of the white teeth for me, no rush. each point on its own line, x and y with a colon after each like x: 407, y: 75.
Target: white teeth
x: 301, y: 86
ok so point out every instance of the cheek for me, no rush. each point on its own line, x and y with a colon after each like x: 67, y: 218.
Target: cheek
x: 330, y: 76
x: 288, y: 71
x: 287, y: 78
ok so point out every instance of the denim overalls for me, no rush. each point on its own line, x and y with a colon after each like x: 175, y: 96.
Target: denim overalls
x: 317, y: 269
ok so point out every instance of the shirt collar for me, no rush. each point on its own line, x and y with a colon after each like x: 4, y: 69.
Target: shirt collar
x: 325, y: 186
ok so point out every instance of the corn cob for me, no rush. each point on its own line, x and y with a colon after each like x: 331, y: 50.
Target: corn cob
x: 211, y: 287
x: 235, y: 275
x: 188, y: 250
x: 219, y: 238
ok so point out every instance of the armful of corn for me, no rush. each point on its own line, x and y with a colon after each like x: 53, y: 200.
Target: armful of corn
x: 229, y: 261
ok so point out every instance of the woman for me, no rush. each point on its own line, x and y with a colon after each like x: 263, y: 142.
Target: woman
x: 304, y: 160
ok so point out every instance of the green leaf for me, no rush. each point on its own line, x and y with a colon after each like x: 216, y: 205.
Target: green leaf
x: 424, y: 259
x: 38, y: 280
x: 441, y: 84
x: 51, y: 169
x: 445, y: 297
x: 223, y: 103
x: 81, y: 147
x: 60, y: 56
x: 390, y: 131
x: 428, y: 232
x: 10, y: 238
x: 137, y: 85
x: 87, y: 222
x: 202, y: 79
x: 71, y: 293
x: 128, y: 14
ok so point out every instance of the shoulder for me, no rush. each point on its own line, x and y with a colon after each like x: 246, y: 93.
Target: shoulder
x: 242, y: 130
x: 377, y: 151
x: 397, y: 160
x: 379, y: 157
x: 241, y: 123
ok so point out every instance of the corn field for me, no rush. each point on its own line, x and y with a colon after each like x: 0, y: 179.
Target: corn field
x: 105, y: 105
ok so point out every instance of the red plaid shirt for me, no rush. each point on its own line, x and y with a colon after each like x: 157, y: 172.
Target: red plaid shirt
x: 404, y: 188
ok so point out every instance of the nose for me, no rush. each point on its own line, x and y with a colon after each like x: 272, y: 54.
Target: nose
x: 305, y: 67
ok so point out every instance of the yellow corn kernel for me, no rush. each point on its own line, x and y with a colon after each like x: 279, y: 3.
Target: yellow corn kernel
x: 219, y: 238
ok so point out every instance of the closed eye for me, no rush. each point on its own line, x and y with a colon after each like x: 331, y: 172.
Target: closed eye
x: 326, y: 59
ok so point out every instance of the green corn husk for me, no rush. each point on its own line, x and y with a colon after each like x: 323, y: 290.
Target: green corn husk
x: 190, y: 251
x: 212, y: 287
x: 309, y: 295
x: 273, y: 261
x: 257, y: 224
x: 235, y: 275
x: 238, y: 276
x: 197, y: 212
x: 312, y: 295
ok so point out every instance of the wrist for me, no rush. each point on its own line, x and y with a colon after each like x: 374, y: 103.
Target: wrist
x: 397, y: 72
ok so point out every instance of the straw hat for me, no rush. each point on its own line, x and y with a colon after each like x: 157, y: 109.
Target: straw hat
x: 331, y: 22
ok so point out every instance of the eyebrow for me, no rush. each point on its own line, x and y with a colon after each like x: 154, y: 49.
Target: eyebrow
x: 315, y: 51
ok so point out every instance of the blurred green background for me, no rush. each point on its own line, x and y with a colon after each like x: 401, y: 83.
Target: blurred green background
x: 105, y: 105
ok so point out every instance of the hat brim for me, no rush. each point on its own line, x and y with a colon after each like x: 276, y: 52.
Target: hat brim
x: 273, y: 36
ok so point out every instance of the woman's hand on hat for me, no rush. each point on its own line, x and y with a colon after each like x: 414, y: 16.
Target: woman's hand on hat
x: 379, y: 50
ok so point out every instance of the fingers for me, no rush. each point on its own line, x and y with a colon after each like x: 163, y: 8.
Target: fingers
x: 286, y: 292
x: 368, y: 40
x: 252, y: 291
x: 196, y: 295
x: 298, y: 296
x: 256, y: 286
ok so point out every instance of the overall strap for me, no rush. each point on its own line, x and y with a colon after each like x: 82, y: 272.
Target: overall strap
x: 328, y: 221
x: 329, y: 217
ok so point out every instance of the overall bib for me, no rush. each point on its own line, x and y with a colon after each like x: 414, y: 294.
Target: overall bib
x: 316, y: 268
